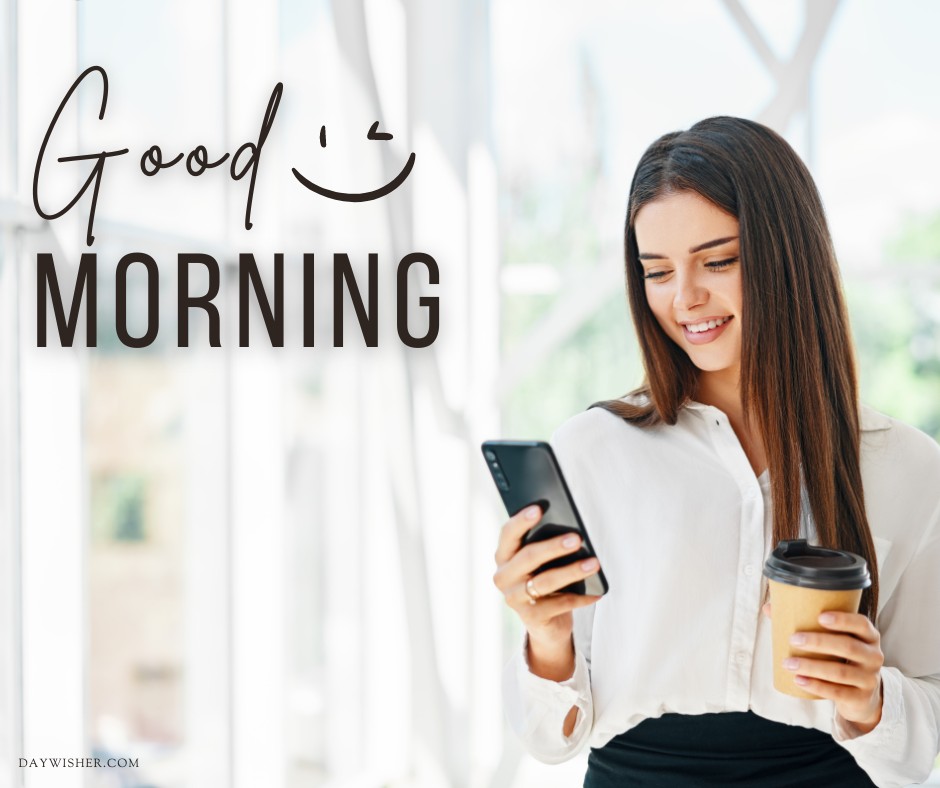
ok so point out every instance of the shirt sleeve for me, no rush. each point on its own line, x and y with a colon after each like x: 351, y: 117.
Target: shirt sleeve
x: 536, y: 708
x: 902, y: 747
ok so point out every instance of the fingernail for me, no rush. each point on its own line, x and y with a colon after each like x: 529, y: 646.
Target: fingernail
x: 798, y: 639
x: 801, y: 679
x: 588, y: 565
x: 570, y: 541
x: 791, y: 663
x: 532, y: 512
x: 827, y: 618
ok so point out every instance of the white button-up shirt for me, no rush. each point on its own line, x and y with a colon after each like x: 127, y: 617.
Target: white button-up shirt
x: 682, y: 527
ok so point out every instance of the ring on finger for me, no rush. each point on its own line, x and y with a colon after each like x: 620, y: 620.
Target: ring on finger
x: 531, y: 592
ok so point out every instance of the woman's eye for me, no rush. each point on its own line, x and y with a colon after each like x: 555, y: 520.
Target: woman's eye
x: 719, y: 264
x: 655, y: 275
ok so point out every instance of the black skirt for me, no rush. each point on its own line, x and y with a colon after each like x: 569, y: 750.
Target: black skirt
x: 732, y: 748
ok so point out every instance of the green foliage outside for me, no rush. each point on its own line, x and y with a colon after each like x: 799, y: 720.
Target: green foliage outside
x: 118, y: 508
x: 599, y: 361
x: 896, y: 323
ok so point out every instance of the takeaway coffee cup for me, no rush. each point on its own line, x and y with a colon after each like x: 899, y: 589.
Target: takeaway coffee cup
x: 804, y: 582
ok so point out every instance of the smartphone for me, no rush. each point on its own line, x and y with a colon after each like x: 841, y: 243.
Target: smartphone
x: 527, y: 472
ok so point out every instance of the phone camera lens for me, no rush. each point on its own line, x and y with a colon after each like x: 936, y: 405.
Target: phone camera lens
x: 498, y: 476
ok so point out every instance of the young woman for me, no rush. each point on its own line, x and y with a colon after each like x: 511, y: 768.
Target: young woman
x: 747, y: 430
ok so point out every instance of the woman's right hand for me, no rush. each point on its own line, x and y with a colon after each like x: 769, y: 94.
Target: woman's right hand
x: 547, y: 619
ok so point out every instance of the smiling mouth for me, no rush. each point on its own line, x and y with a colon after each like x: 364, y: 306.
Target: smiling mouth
x: 706, y: 330
x: 705, y: 325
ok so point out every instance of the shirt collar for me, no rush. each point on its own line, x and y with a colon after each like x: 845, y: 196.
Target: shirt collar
x: 870, y: 420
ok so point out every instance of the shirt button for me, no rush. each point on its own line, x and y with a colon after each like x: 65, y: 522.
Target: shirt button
x: 749, y: 570
x: 741, y: 657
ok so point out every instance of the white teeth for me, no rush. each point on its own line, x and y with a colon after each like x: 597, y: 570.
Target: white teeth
x: 698, y: 328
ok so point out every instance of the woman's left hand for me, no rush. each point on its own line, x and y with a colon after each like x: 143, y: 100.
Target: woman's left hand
x: 854, y: 682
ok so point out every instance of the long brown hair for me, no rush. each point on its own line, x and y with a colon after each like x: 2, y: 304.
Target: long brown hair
x: 798, y: 378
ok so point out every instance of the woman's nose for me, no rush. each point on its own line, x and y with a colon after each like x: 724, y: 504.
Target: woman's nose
x: 689, y: 293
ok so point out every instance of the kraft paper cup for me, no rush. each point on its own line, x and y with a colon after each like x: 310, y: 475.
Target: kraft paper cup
x: 804, y: 582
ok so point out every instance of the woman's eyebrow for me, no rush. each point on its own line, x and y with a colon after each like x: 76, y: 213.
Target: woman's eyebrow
x: 694, y: 249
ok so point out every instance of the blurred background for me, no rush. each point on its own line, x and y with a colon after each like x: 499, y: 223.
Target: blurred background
x: 254, y: 567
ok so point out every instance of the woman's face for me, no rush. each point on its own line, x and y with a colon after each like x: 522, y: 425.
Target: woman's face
x: 689, y: 249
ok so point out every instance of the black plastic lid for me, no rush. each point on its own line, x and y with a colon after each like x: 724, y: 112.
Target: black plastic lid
x: 799, y: 564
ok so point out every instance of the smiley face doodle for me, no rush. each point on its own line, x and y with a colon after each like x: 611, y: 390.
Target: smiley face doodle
x: 374, y: 134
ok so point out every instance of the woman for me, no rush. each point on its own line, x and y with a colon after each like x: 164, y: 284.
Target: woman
x: 746, y: 431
